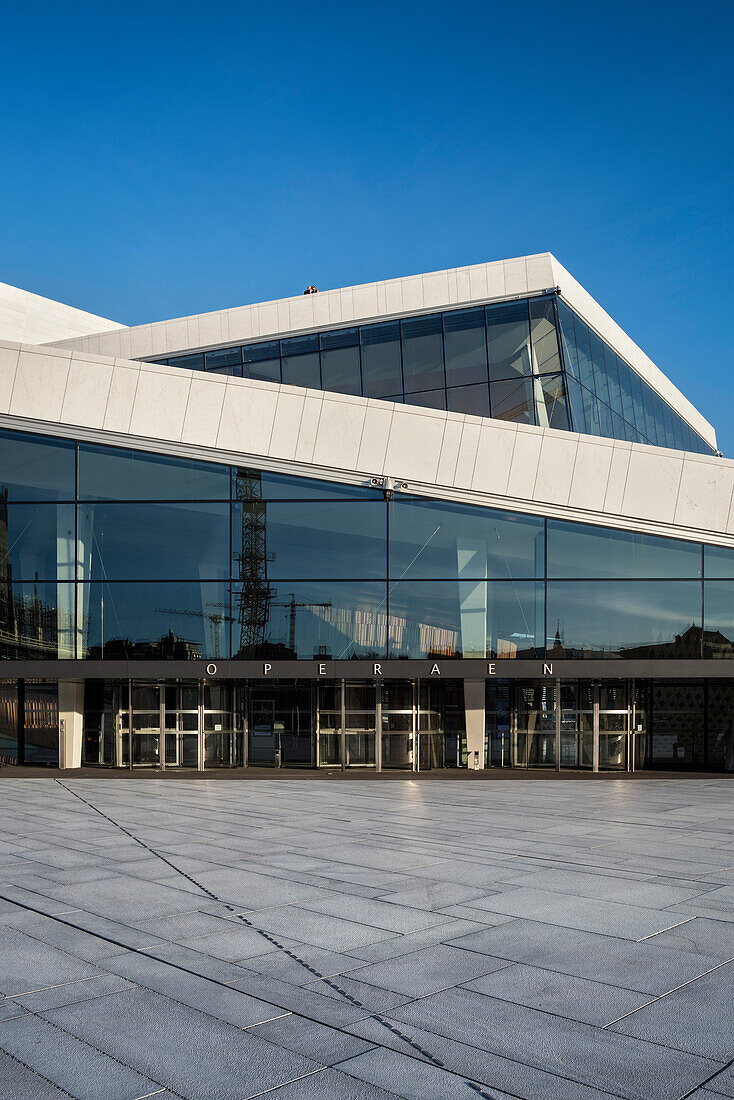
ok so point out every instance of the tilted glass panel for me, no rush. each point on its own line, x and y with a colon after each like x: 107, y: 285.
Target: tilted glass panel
x: 36, y: 541
x: 612, y: 373
x: 591, y: 411
x: 546, y: 358
x: 718, y: 619
x: 300, y: 345
x: 339, y: 338
x: 578, y: 550
x: 180, y: 620
x: 381, y: 371
x: 189, y: 362
x: 601, y: 386
x: 472, y: 619
x: 255, y: 353
x: 260, y: 485
x: 340, y: 370
x: 106, y: 473
x: 153, y: 541
x: 465, y: 343
x: 513, y: 400
x: 568, y: 337
x: 329, y: 620
x: 639, y: 405
x: 583, y: 352
x: 625, y: 388
x: 301, y: 370
x: 36, y: 621
x: 310, y: 539
x: 35, y: 467
x: 606, y: 420
x: 222, y: 357
x: 648, y: 402
x: 576, y: 402
x: 555, y: 404
x: 718, y: 561
x: 508, y: 333
x: 469, y: 399
x: 263, y: 370
x: 423, y: 353
x: 439, y: 540
x: 431, y: 399
x: 636, y: 619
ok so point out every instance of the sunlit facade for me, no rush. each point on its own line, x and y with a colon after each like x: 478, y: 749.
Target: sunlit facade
x: 314, y: 590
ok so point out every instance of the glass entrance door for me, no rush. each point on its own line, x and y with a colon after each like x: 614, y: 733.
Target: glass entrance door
x: 281, y: 724
x: 182, y: 723
x: 145, y: 724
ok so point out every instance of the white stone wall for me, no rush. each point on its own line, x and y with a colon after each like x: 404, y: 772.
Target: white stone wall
x: 37, y: 320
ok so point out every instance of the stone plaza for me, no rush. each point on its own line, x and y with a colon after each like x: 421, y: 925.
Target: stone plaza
x: 357, y: 940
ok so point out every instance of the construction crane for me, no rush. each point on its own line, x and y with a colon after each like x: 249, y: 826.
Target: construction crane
x: 292, y: 603
x: 255, y: 593
x: 216, y: 618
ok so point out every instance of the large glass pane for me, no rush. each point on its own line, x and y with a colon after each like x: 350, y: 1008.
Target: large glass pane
x: 577, y: 550
x: 465, y: 343
x: 720, y: 731
x: 301, y: 370
x: 546, y: 359
x: 442, y: 541
x: 106, y: 473
x: 469, y: 399
x: 381, y: 373
x: 583, y: 351
x: 36, y: 541
x: 600, y: 376
x: 640, y: 417
x: 465, y: 619
x: 300, y: 345
x: 423, y: 354
x: 153, y: 541
x: 612, y: 373
x: 513, y: 400
x: 625, y: 388
x: 309, y: 539
x: 576, y: 402
x: 151, y: 620
x: 36, y: 620
x: 718, y: 612
x: 35, y: 467
x: 635, y: 619
x: 553, y: 413
x: 260, y: 485
x: 310, y: 619
x: 429, y: 399
x: 591, y: 411
x: 568, y: 337
x: 41, y: 723
x: 718, y: 561
x: 188, y: 362
x: 508, y: 331
x: 340, y: 370
x: 264, y: 370
x: 8, y: 721
x: 677, y: 723
x: 222, y: 357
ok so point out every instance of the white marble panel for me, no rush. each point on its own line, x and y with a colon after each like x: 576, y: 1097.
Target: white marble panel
x: 652, y: 485
x: 365, y: 300
x: 555, y: 469
x: 204, y: 409
x: 375, y: 435
x: 450, y: 445
x: 590, y: 474
x: 339, y: 433
x: 141, y: 341
x: 284, y: 315
x: 211, y: 329
x: 309, y: 425
x: 393, y: 296
x: 705, y: 492
x: 494, y: 456
x: 287, y: 423
x: 121, y: 397
x: 539, y: 272
x: 335, y: 306
x: 346, y: 304
x: 436, y: 290
x: 160, y: 403
x: 40, y: 382
x: 524, y: 467
x: 239, y: 324
x: 617, y: 477
x: 302, y: 310
x: 8, y: 362
x: 267, y: 318
x: 463, y: 284
x: 87, y: 391
x: 467, y: 457
x: 320, y: 310
x: 414, y: 445
x: 247, y: 418
x: 496, y: 280
x: 478, y: 282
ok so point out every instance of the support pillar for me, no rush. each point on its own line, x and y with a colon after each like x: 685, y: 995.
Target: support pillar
x: 474, y: 693
x: 71, y: 723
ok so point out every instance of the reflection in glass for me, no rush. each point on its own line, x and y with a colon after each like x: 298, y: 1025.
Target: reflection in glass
x: 340, y: 370
x: 34, y: 467
x: 301, y: 370
x: 36, y: 620
x: 546, y: 359
x: 578, y: 550
x: 434, y: 540
x: 469, y: 399
x: 430, y: 399
x: 109, y: 473
x: 635, y: 619
x: 309, y: 539
x: 261, y: 485
x: 310, y: 619
x: 507, y: 340
x: 513, y: 400
x: 381, y: 371
x: 153, y: 541
x: 154, y: 620
x: 423, y: 354
x: 718, y: 607
x: 718, y: 561
x: 465, y: 619
x: 465, y: 346
x: 36, y: 540
x: 552, y: 407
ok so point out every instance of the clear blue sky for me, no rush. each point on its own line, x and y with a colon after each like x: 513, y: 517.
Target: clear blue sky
x: 161, y: 159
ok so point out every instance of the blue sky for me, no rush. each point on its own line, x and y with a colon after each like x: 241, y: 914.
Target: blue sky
x: 165, y: 159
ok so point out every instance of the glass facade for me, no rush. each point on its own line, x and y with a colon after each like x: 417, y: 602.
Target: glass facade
x: 111, y: 553
x: 533, y: 361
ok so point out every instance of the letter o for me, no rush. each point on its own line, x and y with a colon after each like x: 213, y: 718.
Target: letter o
x: 211, y: 670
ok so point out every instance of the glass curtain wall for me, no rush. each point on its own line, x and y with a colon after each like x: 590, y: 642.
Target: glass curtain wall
x: 533, y: 361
